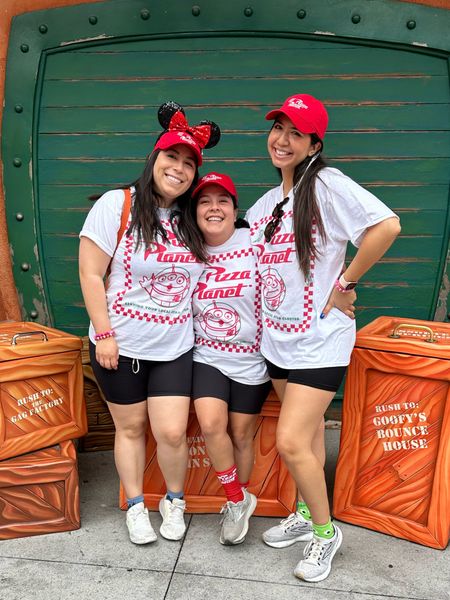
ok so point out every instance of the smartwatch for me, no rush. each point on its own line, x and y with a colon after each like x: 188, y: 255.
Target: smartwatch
x: 345, y: 286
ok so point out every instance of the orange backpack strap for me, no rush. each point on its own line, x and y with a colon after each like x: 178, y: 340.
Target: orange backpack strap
x: 126, y: 209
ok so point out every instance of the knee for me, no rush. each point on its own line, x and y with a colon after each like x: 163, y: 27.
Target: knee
x: 212, y: 428
x: 132, y: 431
x: 242, y: 438
x: 172, y: 437
x: 287, y: 446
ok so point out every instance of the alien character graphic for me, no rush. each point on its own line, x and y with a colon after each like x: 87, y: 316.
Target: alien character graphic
x: 169, y: 287
x: 273, y: 289
x: 219, y: 321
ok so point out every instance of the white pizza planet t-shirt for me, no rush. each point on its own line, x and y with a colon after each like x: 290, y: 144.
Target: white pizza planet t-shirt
x: 227, y: 317
x: 149, y: 293
x: 294, y: 336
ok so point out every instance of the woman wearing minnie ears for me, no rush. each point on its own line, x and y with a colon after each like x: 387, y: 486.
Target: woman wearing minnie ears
x: 230, y: 380
x: 141, y: 331
x: 300, y: 230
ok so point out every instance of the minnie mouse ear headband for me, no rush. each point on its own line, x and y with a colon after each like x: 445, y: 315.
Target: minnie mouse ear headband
x: 224, y: 181
x: 172, y: 118
x: 306, y: 112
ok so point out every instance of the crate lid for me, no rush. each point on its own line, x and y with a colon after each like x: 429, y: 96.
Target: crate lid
x: 406, y: 336
x: 24, y: 340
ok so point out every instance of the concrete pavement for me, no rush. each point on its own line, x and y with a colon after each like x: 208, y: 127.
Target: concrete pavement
x: 97, y: 562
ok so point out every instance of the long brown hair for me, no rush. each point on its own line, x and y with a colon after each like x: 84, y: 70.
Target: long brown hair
x: 307, y: 217
x: 145, y: 219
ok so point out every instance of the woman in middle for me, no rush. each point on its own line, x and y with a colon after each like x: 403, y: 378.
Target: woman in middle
x: 230, y: 380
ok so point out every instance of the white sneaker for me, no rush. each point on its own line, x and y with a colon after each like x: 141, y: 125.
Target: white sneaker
x: 139, y: 526
x: 235, y: 519
x: 318, y: 554
x: 173, y: 526
x: 295, y: 528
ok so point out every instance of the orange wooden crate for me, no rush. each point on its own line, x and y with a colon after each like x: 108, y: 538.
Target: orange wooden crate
x: 393, y: 470
x: 41, y: 388
x: 270, y: 480
x: 39, y: 492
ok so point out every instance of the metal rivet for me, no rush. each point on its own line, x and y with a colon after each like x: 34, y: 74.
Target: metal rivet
x: 93, y: 20
x: 145, y: 14
x: 33, y: 314
x: 43, y: 28
x: 196, y: 10
x: 356, y: 19
x: 24, y: 47
x: 17, y: 162
x: 18, y: 108
x: 248, y: 11
x: 301, y: 14
x: 19, y: 217
x: 411, y: 24
x: 25, y: 266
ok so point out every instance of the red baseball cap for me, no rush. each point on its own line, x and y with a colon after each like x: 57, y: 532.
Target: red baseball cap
x: 307, y: 113
x: 172, y: 138
x: 224, y: 181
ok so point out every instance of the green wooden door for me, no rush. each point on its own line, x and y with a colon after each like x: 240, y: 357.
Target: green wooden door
x: 93, y: 120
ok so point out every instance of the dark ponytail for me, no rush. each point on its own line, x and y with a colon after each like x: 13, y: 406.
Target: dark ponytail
x: 307, y: 217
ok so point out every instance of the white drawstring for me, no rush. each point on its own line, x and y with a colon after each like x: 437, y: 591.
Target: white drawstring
x: 135, y: 366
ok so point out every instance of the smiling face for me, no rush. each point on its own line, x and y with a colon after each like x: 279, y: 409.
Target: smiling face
x: 173, y: 173
x: 216, y: 214
x: 288, y: 147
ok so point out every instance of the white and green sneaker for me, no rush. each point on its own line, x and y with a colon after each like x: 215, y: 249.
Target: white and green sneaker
x: 295, y: 528
x: 318, y: 555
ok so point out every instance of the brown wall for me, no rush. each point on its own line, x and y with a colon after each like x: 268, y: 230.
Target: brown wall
x: 9, y: 302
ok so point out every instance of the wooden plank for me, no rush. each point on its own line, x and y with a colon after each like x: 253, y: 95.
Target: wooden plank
x: 107, y: 172
x: 265, y: 91
x: 239, y: 144
x: 351, y: 117
x: 236, y: 62
x: 409, y: 197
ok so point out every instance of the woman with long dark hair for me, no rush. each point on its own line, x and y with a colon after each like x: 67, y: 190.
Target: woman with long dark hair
x: 301, y: 230
x: 141, y: 331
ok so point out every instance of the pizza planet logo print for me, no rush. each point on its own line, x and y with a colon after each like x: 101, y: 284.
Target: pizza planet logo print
x: 297, y: 103
x: 169, y: 287
x: 219, y: 321
x: 187, y: 138
x: 274, y: 288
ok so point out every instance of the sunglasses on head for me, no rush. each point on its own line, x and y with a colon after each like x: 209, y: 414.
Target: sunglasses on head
x: 277, y: 214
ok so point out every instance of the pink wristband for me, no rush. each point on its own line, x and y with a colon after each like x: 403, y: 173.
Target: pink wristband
x: 104, y: 335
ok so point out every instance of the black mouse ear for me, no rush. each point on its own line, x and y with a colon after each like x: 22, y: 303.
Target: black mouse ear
x: 166, y: 112
x: 215, y: 133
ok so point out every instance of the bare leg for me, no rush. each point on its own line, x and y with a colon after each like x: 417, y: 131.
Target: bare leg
x: 131, y: 422
x: 302, y: 412
x: 318, y: 444
x: 212, y: 415
x: 168, y: 419
x: 242, y: 427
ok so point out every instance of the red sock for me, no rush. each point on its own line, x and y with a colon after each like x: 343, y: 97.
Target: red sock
x: 230, y: 482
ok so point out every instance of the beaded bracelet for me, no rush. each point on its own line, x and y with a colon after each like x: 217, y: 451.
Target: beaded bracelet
x: 104, y: 335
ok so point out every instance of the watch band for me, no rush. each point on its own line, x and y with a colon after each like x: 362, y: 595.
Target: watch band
x: 343, y: 285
